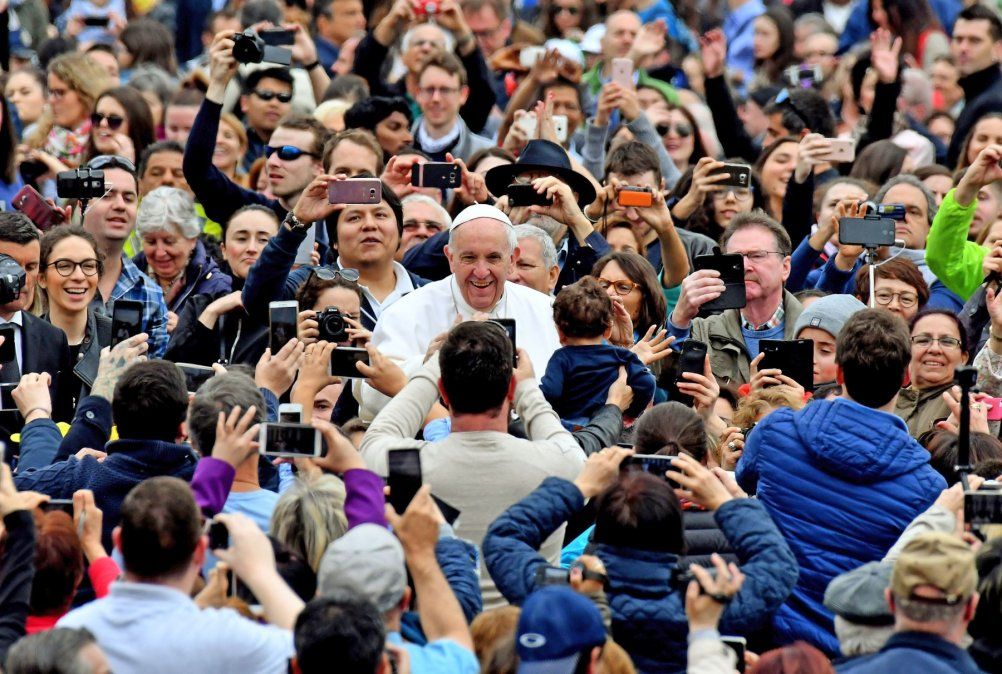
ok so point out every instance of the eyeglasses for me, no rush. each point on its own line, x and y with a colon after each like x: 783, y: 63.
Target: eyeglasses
x: 327, y: 274
x: 266, y: 95
x: 683, y: 130
x: 784, y: 98
x: 65, y: 267
x: 757, y: 255
x: 105, y: 161
x: 906, y: 300
x: 444, y: 91
x: 114, y: 121
x: 925, y: 341
x: 557, y: 9
x: 740, y: 194
x: 286, y: 152
x: 621, y: 288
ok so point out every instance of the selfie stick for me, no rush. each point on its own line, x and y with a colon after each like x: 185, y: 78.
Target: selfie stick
x: 966, y: 377
x: 871, y: 262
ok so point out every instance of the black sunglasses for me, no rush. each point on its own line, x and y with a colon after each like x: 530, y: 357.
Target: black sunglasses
x: 683, y: 130
x: 328, y: 274
x: 105, y: 161
x: 114, y: 121
x: 784, y: 98
x: 266, y: 95
x: 286, y: 152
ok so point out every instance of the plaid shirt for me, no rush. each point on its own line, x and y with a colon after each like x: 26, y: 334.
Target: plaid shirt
x: 777, y: 319
x: 135, y: 285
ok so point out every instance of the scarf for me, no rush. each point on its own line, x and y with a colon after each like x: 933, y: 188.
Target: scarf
x: 437, y: 145
x: 68, y: 145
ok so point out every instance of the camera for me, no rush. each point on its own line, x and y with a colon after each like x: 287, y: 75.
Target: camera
x: 248, y: 47
x: 11, y: 279
x: 81, y: 183
x: 984, y: 506
x: 332, y: 325
x: 681, y: 579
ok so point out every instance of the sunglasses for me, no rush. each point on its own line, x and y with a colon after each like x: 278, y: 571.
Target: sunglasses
x: 114, y: 121
x: 328, y: 274
x: 784, y: 98
x: 557, y: 9
x: 266, y: 95
x: 286, y: 152
x: 111, y: 161
x: 683, y: 130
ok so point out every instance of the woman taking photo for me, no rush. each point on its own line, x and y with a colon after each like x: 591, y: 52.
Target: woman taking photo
x: 706, y: 205
x: 70, y: 266
x: 121, y: 124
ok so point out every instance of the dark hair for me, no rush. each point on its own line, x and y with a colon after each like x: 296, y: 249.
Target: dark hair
x: 137, y: 115
x: 221, y: 393
x: 640, y: 511
x: 160, y: 527
x: 873, y: 350
x: 348, y: 633
x: 55, y: 651
x: 582, y: 309
x: 59, y: 564
x: 773, y: 66
x: 758, y: 219
x: 767, y: 152
x: 150, y: 401
x: 633, y: 158
x: 669, y: 429
x: 8, y: 142
x: 909, y: 19
x: 255, y: 11
x: 367, y: 113
x: 988, y: 616
x: 476, y: 362
x: 251, y: 208
x: 589, y: 17
x: 979, y: 12
x: 57, y: 234
x: 148, y: 41
x: 391, y: 199
x: 277, y: 73
x: 698, y: 149
x: 702, y: 220
x: 492, y: 151
x: 653, y: 308
x: 16, y: 228
x: 799, y: 657
x: 155, y: 149
x: 899, y: 269
x: 879, y: 162
x: 923, y: 172
x: 944, y: 449
x: 804, y: 106
x: 314, y: 286
x: 952, y: 317
x: 567, y: 84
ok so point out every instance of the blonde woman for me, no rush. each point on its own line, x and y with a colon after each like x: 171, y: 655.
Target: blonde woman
x: 309, y: 516
x: 231, y: 146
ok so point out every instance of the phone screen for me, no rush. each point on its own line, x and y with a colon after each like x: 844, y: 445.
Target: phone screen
x: 126, y: 320
x: 404, y: 476
x: 343, y: 360
x: 63, y: 504
x: 7, y: 397
x: 282, y: 324
x: 195, y: 375
x: 289, y: 440
x: 794, y: 357
x: 655, y: 465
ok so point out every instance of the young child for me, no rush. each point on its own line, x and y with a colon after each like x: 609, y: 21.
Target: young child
x: 579, y: 375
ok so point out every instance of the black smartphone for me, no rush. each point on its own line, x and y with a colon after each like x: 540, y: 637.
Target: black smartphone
x: 794, y: 357
x: 738, y: 645
x: 126, y: 320
x: 552, y: 575
x: 691, y: 358
x: 195, y: 375
x: 277, y: 37
x: 343, y: 360
x: 739, y: 175
x: 655, y: 464
x: 96, y: 21
x: 290, y: 440
x: 63, y: 504
x: 442, y: 175
x: 8, y: 349
x: 7, y: 403
x: 219, y: 536
x: 281, y: 324
x: 403, y: 476
x: 732, y: 273
x: 509, y: 326
x: 526, y: 195
x: 870, y: 232
x: 448, y: 512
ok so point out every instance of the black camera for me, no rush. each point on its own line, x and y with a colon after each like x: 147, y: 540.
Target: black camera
x: 81, y: 183
x: 248, y: 47
x: 332, y: 325
x: 984, y: 506
x: 11, y: 279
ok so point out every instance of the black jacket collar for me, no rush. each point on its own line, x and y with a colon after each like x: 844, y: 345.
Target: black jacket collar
x: 977, y: 83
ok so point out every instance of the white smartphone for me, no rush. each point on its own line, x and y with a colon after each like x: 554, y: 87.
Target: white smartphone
x: 281, y: 323
x: 622, y: 72
x: 290, y: 413
x: 529, y: 55
x: 528, y: 125
x: 841, y: 150
x: 560, y: 127
x: 291, y: 440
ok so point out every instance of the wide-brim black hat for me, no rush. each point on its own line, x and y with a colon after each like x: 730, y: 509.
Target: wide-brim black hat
x: 545, y: 156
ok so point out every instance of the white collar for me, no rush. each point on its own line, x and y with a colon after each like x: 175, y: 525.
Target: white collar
x: 16, y: 319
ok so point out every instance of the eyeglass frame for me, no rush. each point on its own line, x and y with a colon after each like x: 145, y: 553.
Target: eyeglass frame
x: 54, y: 264
x: 271, y: 149
x: 612, y: 284
x: 105, y: 161
x: 913, y: 298
x: 115, y: 122
x: 267, y: 95
x: 441, y: 91
x: 733, y: 189
x: 328, y: 274
x: 954, y: 343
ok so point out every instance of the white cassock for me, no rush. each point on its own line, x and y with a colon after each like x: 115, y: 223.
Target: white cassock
x: 406, y: 328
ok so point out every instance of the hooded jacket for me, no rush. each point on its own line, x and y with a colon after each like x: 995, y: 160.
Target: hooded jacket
x: 201, y: 276
x: 841, y: 481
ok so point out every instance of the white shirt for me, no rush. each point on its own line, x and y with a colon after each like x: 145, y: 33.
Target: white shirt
x: 404, y: 286
x: 17, y: 320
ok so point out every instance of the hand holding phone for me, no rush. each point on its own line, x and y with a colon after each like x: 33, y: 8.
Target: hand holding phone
x: 403, y: 477
x: 731, y: 268
x: 126, y: 320
x: 355, y: 191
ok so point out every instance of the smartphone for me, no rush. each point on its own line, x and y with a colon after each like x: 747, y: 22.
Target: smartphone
x: 526, y: 195
x: 96, y: 21
x: 7, y: 403
x: 870, y: 232
x: 732, y: 273
x: 560, y: 127
x: 691, y: 358
x: 343, y: 360
x: 804, y: 76
x: 290, y: 413
x: 552, y: 575
x: 126, y: 320
x: 449, y: 513
x: 63, y: 504
x: 509, y: 326
x: 281, y: 323
x: 32, y: 170
x: 8, y: 349
x: 528, y: 56
x: 39, y: 211
x: 195, y: 375
x: 403, y: 476
x: 639, y: 197
x: 794, y: 357
x: 841, y: 150
x: 355, y: 191
x: 443, y: 175
x: 277, y: 37
x: 292, y: 440
x: 740, y: 175
x: 527, y: 123
x: 622, y: 72
x: 655, y: 464
x: 738, y: 645
x: 984, y: 506
x: 219, y: 536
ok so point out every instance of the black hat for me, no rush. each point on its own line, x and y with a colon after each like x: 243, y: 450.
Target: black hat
x: 369, y: 112
x: 546, y: 156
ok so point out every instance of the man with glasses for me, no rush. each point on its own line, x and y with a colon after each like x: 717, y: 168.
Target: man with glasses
x: 266, y: 100
x: 733, y: 336
x: 110, y: 220
x: 423, y: 218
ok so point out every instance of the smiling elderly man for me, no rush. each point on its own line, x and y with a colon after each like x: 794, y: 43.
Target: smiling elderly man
x: 482, y: 250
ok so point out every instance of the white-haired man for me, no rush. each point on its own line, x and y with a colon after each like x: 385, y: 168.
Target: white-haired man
x: 536, y: 266
x: 423, y: 218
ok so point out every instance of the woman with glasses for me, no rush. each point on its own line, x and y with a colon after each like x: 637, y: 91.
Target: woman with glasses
x: 567, y: 19
x: 706, y: 205
x: 121, y: 124
x: 632, y: 284
x: 70, y: 265
x: 173, y: 255
x: 938, y: 348
x: 898, y: 287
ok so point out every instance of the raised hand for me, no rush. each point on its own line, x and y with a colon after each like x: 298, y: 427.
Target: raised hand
x: 713, y: 50
x: 885, y: 55
x: 236, y: 436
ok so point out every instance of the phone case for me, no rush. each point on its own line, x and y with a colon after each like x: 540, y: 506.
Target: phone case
x: 732, y: 273
x: 526, y: 195
x: 869, y: 232
x: 636, y: 196
x: 560, y: 127
x: 794, y: 357
x: 31, y: 203
x: 740, y: 175
x: 343, y: 361
x: 841, y: 150
x: 441, y: 175
x: 622, y: 72
x: 690, y: 359
x: 355, y: 191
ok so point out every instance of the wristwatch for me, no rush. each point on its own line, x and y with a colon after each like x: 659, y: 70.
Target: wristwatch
x: 295, y: 224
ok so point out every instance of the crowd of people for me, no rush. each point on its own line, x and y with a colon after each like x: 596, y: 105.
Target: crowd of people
x: 675, y: 326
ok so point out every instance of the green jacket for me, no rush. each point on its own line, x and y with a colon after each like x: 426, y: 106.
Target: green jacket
x: 593, y: 80
x: 921, y: 409
x: 951, y: 257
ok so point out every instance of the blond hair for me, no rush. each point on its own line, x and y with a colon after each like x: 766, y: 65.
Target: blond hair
x: 83, y: 76
x: 309, y: 516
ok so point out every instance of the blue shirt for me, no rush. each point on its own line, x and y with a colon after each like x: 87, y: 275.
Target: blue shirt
x: 739, y: 29
x: 577, y: 379
x: 437, y: 657
x: 133, y: 284
x: 257, y: 505
x: 751, y: 337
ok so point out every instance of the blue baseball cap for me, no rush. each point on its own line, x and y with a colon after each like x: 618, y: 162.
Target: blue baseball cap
x: 556, y: 624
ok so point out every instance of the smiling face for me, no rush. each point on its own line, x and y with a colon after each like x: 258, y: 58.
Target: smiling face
x: 986, y: 132
x: 914, y: 229
x: 679, y: 141
x: 778, y: 168
x: 246, y: 236
x: 934, y: 365
x: 111, y: 218
x: 480, y: 257
x: 27, y: 256
x: 103, y: 135
x: 71, y: 293
x: 393, y: 133
x: 229, y: 151
x: 367, y: 235
x: 68, y: 109
x: 167, y: 252
x: 762, y: 278
x: 26, y: 93
x: 896, y: 293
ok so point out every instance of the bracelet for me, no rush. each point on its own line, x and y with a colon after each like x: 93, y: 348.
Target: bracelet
x: 311, y: 66
x: 35, y: 409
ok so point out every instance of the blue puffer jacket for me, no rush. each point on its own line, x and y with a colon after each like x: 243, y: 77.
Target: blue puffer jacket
x: 842, y: 481
x: 648, y: 612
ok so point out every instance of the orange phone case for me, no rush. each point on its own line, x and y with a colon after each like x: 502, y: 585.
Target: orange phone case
x: 640, y: 199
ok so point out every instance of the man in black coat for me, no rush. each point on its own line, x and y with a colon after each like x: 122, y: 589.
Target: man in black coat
x: 977, y: 48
